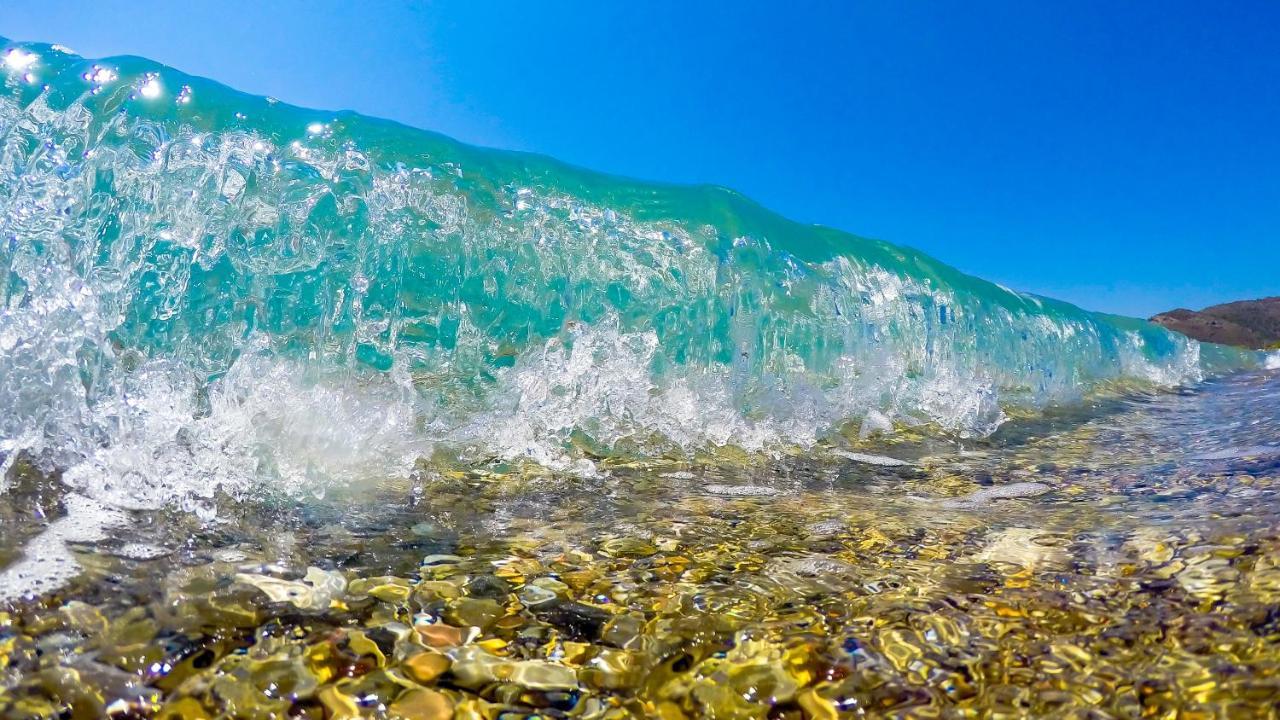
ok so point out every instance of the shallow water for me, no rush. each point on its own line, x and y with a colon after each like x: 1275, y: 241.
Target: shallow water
x: 1121, y: 559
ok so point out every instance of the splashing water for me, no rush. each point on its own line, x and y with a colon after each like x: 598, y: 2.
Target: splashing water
x: 204, y: 289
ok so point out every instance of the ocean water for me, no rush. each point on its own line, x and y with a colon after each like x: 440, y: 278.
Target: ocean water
x: 285, y: 357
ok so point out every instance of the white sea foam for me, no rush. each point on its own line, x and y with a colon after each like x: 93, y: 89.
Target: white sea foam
x: 1183, y: 370
x: 47, y: 562
x: 267, y: 425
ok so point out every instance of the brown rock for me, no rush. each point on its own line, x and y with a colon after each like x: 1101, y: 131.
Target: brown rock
x: 1246, y: 323
x: 441, y: 635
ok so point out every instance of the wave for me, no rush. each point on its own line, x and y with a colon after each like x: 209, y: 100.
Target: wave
x: 202, y: 289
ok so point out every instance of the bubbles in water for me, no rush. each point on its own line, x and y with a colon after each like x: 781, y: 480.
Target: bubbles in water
x: 267, y: 425
x: 47, y: 562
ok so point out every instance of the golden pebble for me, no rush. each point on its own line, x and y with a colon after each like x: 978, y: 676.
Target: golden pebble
x: 421, y: 704
x: 425, y: 667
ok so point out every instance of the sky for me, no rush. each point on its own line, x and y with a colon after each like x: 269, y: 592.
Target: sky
x: 1121, y: 156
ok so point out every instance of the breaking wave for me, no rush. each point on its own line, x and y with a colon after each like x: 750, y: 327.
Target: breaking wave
x: 203, y: 290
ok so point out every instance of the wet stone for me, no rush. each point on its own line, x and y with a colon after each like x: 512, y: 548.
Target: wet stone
x: 627, y: 547
x: 538, y: 675
x: 477, y: 612
x: 488, y: 586
x: 440, y: 635
x: 533, y: 595
x: 576, y: 620
x: 420, y: 704
x: 425, y: 667
x: 622, y: 631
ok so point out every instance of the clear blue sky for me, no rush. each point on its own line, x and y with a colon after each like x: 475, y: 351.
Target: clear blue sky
x: 1121, y: 155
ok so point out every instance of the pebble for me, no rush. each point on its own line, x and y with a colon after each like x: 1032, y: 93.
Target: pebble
x: 988, y: 495
x: 425, y: 667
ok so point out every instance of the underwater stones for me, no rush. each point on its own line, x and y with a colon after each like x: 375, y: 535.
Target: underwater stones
x: 809, y: 566
x: 474, y: 668
x: 284, y: 678
x: 141, y: 551
x: 627, y: 547
x: 865, y: 459
x: 370, y: 692
x: 1151, y: 546
x: 745, y: 641
x: 579, y: 580
x: 477, y: 612
x: 834, y: 600
x: 612, y: 669
x: 241, y: 693
x: 516, y: 570
x: 441, y: 561
x: 622, y: 631
x: 338, y: 705
x: 988, y: 495
x: 344, y: 654
x: 443, y: 636
x: 84, y: 618
x: 420, y: 704
x: 1207, y: 577
x: 576, y: 620
x: 762, y: 683
x: 1265, y: 578
x: 816, y: 707
x: 390, y: 634
x: 428, y: 591
x: 425, y: 667
x: 539, y: 675
x: 388, y: 589
x: 535, y: 595
x: 316, y: 590
x: 186, y: 708
x: 742, y: 490
x: 488, y: 586
x: 1026, y: 547
x: 825, y: 529
x: 182, y: 656
x: 552, y: 585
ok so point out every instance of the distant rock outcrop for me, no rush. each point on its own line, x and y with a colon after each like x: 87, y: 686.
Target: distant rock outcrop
x: 1247, y: 323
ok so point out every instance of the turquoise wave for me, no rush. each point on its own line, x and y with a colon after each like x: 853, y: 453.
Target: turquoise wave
x: 240, y: 286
